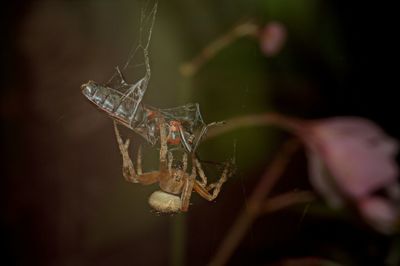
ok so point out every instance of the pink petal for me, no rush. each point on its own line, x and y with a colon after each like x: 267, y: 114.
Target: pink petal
x: 350, y: 159
x: 322, y: 182
x: 380, y: 213
x: 272, y: 38
x: 357, y: 153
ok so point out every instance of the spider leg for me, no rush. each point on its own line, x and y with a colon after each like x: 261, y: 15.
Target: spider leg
x: 170, y: 161
x: 139, y: 161
x: 188, y: 189
x: 201, y: 173
x: 185, y: 162
x: 163, y: 145
x: 205, y: 191
x: 128, y: 169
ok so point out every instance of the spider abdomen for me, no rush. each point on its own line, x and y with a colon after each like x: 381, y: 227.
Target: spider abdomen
x: 165, y: 202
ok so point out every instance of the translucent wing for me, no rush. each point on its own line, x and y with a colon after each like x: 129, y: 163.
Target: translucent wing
x: 188, y: 115
x: 119, y: 98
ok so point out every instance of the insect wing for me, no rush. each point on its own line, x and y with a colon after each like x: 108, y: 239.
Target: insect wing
x: 119, y: 98
x: 188, y: 115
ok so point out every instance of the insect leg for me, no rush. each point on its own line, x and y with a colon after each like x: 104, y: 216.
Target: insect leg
x: 204, y: 131
x: 123, y: 82
x: 185, y: 143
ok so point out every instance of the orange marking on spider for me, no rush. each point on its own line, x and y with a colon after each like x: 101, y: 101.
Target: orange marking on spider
x: 174, y: 133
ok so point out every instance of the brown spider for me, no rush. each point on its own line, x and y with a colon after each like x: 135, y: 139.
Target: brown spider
x: 172, y: 180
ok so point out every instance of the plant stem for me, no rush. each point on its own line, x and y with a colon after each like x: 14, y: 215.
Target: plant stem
x: 178, y: 239
x: 285, y: 200
x: 296, y: 126
x: 246, y: 29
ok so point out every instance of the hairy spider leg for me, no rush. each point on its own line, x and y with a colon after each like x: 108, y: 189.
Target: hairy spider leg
x: 139, y: 161
x: 188, y: 189
x: 128, y: 169
x: 205, y: 191
x: 201, y: 173
x: 165, y: 172
x: 200, y: 187
x: 163, y: 145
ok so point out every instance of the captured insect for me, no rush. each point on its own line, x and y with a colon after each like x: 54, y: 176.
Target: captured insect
x: 179, y: 128
x: 122, y: 100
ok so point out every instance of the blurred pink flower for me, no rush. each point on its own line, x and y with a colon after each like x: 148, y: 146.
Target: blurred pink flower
x: 272, y: 38
x: 379, y: 212
x: 352, y: 160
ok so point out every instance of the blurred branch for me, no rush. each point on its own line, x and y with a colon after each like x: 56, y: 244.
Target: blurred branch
x: 292, y: 124
x: 255, y: 203
x: 178, y: 228
x: 286, y: 200
x: 246, y: 29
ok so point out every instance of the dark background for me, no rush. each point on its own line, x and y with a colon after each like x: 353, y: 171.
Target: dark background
x: 63, y: 198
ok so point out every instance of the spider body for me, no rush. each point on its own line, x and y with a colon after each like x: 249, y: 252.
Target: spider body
x: 176, y: 183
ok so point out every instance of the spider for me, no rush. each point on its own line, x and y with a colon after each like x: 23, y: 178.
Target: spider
x: 172, y: 180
